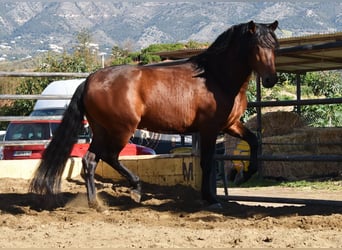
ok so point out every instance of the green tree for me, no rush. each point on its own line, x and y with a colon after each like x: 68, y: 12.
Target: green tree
x: 121, y: 56
x: 22, y: 107
x: 251, y: 97
x: 85, y: 54
x: 196, y: 45
x: 326, y: 83
x: 329, y: 85
x: 84, y: 57
x: 147, y: 55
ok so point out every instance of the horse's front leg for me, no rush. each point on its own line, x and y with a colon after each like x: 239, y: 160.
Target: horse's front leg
x: 89, y: 164
x: 208, y: 188
x: 240, y: 131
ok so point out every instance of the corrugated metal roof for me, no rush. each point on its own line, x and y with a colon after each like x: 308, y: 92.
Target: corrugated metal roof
x: 295, y: 55
x: 310, y: 53
x: 310, y: 39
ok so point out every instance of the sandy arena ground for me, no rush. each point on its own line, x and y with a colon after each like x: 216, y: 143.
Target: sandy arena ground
x: 167, y: 217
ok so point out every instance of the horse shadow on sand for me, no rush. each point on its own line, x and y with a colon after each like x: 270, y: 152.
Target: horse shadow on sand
x: 174, y: 199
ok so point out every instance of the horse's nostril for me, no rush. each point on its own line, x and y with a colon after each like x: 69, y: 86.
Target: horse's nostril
x: 269, y: 81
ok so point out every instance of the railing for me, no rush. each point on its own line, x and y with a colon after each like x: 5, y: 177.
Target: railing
x: 42, y: 74
x: 34, y: 97
x: 299, y: 102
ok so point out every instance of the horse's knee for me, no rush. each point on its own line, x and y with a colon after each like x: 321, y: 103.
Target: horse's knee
x: 89, y: 157
x: 89, y: 163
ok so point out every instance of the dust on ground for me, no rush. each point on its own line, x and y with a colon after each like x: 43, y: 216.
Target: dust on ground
x: 166, y: 217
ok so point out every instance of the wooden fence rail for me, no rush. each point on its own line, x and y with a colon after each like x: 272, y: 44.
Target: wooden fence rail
x: 28, y: 118
x: 35, y: 97
x: 42, y: 74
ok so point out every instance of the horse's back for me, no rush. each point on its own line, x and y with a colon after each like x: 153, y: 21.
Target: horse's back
x: 158, y: 98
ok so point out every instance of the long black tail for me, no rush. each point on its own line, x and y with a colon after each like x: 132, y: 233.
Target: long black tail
x: 47, y: 178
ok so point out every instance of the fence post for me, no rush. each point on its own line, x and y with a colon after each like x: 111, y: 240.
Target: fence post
x: 299, y: 93
x: 259, y: 125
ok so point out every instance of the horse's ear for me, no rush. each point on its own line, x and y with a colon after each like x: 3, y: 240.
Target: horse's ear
x: 273, y: 26
x: 251, y: 27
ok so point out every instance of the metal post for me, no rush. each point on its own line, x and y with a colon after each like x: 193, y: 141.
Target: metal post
x: 298, y: 93
x: 102, y: 60
x: 102, y: 54
x: 196, y: 144
x: 182, y: 140
x: 259, y: 125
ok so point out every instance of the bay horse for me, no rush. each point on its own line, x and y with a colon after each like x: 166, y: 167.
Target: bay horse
x: 205, y: 94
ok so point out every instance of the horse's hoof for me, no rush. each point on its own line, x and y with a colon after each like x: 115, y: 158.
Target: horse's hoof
x: 215, y: 206
x: 136, y: 195
x: 239, y: 179
x: 103, y: 210
x: 93, y: 204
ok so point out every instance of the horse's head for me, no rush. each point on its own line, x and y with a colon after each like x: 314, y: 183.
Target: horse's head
x: 263, y: 42
x: 242, y: 48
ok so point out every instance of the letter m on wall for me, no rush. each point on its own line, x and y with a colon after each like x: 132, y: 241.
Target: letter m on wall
x: 188, y: 172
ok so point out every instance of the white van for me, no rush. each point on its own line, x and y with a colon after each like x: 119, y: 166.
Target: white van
x: 56, y: 107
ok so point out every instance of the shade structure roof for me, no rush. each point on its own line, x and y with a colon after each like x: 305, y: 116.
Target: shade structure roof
x: 295, y: 55
x: 310, y: 53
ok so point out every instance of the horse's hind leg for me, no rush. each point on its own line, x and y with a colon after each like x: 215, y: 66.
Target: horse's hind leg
x: 129, y: 175
x: 89, y: 164
x: 100, y: 148
x: 111, y: 146
x: 240, y: 131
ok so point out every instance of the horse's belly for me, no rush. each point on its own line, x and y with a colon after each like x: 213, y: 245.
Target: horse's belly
x: 167, y: 122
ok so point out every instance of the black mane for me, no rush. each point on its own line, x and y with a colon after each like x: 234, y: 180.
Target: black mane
x: 264, y: 36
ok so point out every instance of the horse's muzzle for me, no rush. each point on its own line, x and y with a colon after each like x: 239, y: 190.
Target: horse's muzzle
x: 269, y: 81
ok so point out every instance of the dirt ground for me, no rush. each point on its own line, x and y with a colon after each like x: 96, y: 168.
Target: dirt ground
x: 167, y: 217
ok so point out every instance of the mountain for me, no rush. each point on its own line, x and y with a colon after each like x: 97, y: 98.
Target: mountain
x: 29, y: 28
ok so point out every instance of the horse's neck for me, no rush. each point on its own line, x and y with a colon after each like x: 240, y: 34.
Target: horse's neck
x: 233, y: 74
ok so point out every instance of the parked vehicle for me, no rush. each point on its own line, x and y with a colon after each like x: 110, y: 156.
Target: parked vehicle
x: 162, y: 143
x: 36, y: 134
x: 2, y: 137
x: 2, y: 134
x: 56, y: 107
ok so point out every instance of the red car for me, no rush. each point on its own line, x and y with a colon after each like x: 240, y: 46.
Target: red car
x: 36, y: 134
